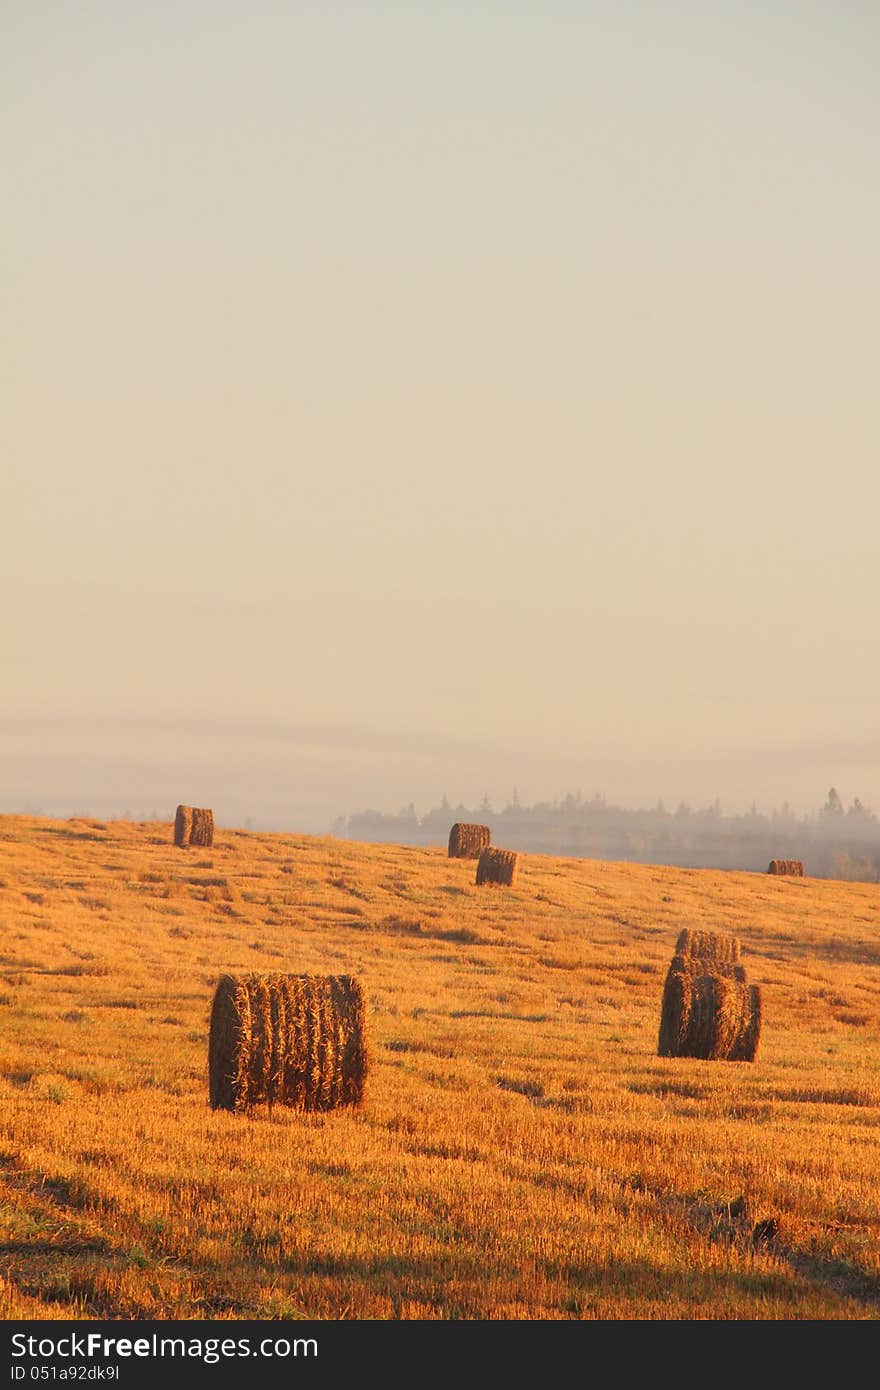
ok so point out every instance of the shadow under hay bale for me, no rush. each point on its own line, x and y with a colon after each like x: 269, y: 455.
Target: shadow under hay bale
x: 708, y: 1009
x: 497, y: 866
x: 193, y: 825
x: 468, y: 841
x: 293, y: 1040
x: 794, y: 868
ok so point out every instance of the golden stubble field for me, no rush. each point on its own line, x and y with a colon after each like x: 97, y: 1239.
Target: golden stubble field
x: 521, y: 1151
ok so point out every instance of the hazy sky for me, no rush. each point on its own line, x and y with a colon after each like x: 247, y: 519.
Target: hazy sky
x: 408, y: 399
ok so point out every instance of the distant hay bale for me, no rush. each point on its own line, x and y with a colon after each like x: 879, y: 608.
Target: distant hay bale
x: 183, y: 825
x: 794, y: 868
x: 497, y: 866
x: 294, y: 1040
x: 708, y: 1009
x: 468, y: 841
x: 202, y: 832
x: 193, y: 825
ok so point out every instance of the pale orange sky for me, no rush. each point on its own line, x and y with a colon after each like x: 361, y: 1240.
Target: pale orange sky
x: 416, y: 399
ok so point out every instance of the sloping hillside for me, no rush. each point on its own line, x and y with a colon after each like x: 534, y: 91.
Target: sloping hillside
x: 521, y: 1150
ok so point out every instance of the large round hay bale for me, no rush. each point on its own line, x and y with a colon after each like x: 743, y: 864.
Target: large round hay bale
x: 497, y: 866
x: 468, y: 841
x: 711, y: 1015
x: 294, y: 1040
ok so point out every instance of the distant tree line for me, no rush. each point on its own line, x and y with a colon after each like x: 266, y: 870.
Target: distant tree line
x: 834, y: 842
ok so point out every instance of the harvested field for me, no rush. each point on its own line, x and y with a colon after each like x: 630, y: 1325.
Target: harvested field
x: 520, y: 1151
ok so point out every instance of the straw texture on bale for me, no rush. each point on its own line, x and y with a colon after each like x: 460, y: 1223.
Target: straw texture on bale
x: 715, y: 950
x: 193, y: 825
x: 497, y: 866
x: 793, y: 867
x: 698, y: 965
x: 708, y: 1009
x: 294, y: 1040
x: 468, y: 841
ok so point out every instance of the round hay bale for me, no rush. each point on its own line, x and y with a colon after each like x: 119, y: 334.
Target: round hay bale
x: 468, y: 841
x: 294, y: 1040
x: 709, y: 1015
x: 183, y: 820
x: 497, y: 866
x: 202, y: 832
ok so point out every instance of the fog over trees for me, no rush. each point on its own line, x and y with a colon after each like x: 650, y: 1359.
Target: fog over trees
x: 836, y: 841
